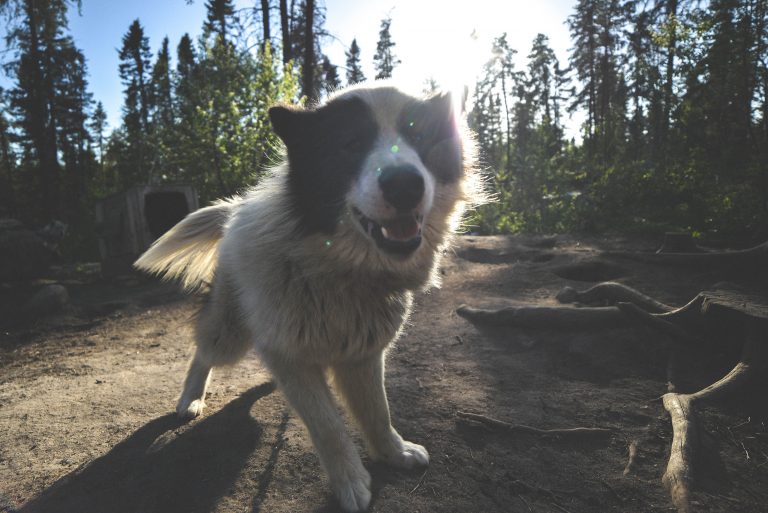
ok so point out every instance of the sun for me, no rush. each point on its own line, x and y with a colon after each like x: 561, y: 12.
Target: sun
x: 456, y: 65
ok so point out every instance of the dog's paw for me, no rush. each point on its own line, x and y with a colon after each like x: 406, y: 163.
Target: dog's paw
x: 190, y: 410
x: 408, y: 455
x: 353, y: 490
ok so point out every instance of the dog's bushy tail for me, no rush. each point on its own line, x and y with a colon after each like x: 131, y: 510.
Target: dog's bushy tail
x: 189, y: 250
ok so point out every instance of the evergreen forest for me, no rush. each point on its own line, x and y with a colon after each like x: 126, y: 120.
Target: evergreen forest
x: 673, y: 95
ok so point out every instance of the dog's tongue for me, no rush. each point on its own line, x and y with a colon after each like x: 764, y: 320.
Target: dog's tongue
x: 401, y: 229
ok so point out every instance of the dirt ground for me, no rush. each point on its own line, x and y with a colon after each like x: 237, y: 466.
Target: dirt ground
x: 86, y: 401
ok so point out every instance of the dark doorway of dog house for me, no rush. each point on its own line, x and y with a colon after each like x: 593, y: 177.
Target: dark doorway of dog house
x: 130, y: 221
x: 162, y: 210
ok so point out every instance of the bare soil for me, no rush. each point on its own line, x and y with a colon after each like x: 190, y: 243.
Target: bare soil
x: 86, y: 402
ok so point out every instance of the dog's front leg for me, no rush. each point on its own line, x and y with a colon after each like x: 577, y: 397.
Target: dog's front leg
x: 362, y: 386
x: 308, y: 393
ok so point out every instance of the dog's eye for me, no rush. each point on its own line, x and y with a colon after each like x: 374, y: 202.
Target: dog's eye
x: 414, y: 131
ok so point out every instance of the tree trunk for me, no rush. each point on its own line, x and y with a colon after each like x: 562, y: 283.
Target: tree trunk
x: 265, y: 21
x: 10, y: 196
x: 508, y: 142
x: 671, y: 50
x: 42, y: 130
x: 308, y: 70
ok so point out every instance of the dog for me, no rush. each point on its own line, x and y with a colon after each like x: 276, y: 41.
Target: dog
x: 316, y: 266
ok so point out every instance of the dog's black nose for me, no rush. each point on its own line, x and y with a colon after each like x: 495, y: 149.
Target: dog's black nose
x: 403, y: 186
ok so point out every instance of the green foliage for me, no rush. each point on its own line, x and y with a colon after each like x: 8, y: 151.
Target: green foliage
x: 676, y: 128
x: 674, y: 95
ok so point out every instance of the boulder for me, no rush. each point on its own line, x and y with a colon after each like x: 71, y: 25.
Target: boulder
x: 23, y: 254
x: 49, y: 300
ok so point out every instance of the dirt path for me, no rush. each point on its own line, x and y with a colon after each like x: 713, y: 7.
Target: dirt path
x: 86, y: 401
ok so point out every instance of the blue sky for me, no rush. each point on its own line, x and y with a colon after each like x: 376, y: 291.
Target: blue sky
x: 441, y: 39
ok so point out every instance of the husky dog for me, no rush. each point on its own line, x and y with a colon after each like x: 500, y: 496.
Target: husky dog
x: 316, y: 266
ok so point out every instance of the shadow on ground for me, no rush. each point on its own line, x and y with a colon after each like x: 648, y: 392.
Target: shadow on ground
x: 164, y: 468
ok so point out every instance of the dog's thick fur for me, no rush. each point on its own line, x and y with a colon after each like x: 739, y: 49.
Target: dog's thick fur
x: 295, y: 269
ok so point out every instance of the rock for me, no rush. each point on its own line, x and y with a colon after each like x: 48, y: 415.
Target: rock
x: 23, y: 255
x: 50, y: 299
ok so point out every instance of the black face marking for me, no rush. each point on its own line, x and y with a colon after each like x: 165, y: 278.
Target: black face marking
x: 326, y: 150
x: 429, y: 126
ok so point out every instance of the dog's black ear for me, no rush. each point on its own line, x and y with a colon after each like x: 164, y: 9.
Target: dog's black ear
x: 288, y: 123
x: 442, y: 103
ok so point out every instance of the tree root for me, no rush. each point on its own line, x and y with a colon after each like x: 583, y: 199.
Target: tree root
x: 748, y: 257
x: 742, y: 313
x: 557, y: 317
x: 577, y: 432
x: 612, y: 293
x: 679, y: 475
x: 655, y: 321
x: 631, y: 458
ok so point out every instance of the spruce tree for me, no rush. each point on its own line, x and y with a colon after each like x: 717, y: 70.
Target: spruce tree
x: 7, y: 163
x: 354, y: 70
x: 48, y: 104
x: 135, y: 76
x: 163, y: 116
x: 98, y: 126
x: 385, y: 60
x: 219, y: 17
x: 331, y: 80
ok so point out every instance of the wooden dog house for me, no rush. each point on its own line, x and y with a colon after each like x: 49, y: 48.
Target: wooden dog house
x: 129, y: 222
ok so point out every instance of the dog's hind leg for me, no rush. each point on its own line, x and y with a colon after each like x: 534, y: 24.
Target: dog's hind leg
x: 221, y: 340
x: 308, y: 393
x: 361, y: 384
x: 192, y: 400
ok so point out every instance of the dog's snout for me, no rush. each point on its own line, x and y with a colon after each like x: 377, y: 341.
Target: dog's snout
x: 402, y: 186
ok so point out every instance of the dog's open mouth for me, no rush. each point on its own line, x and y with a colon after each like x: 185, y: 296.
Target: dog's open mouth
x: 401, y: 235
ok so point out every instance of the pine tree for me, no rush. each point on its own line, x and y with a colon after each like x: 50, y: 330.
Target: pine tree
x: 48, y: 102
x: 595, y: 28
x: 34, y: 95
x: 185, y: 146
x: 331, y: 80
x: 135, y: 75
x: 98, y: 126
x: 7, y: 163
x: 219, y: 15
x: 163, y: 116
x: 162, y: 94
x: 385, y: 60
x: 354, y: 70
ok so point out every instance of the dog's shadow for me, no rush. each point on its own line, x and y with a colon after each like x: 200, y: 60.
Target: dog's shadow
x: 157, y: 470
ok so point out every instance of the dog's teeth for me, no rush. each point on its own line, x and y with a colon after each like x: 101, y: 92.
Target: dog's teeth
x: 385, y: 232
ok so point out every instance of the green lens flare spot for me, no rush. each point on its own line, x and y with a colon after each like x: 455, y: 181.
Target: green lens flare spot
x: 378, y: 171
x: 395, y: 148
x: 328, y: 244
x: 410, y: 124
